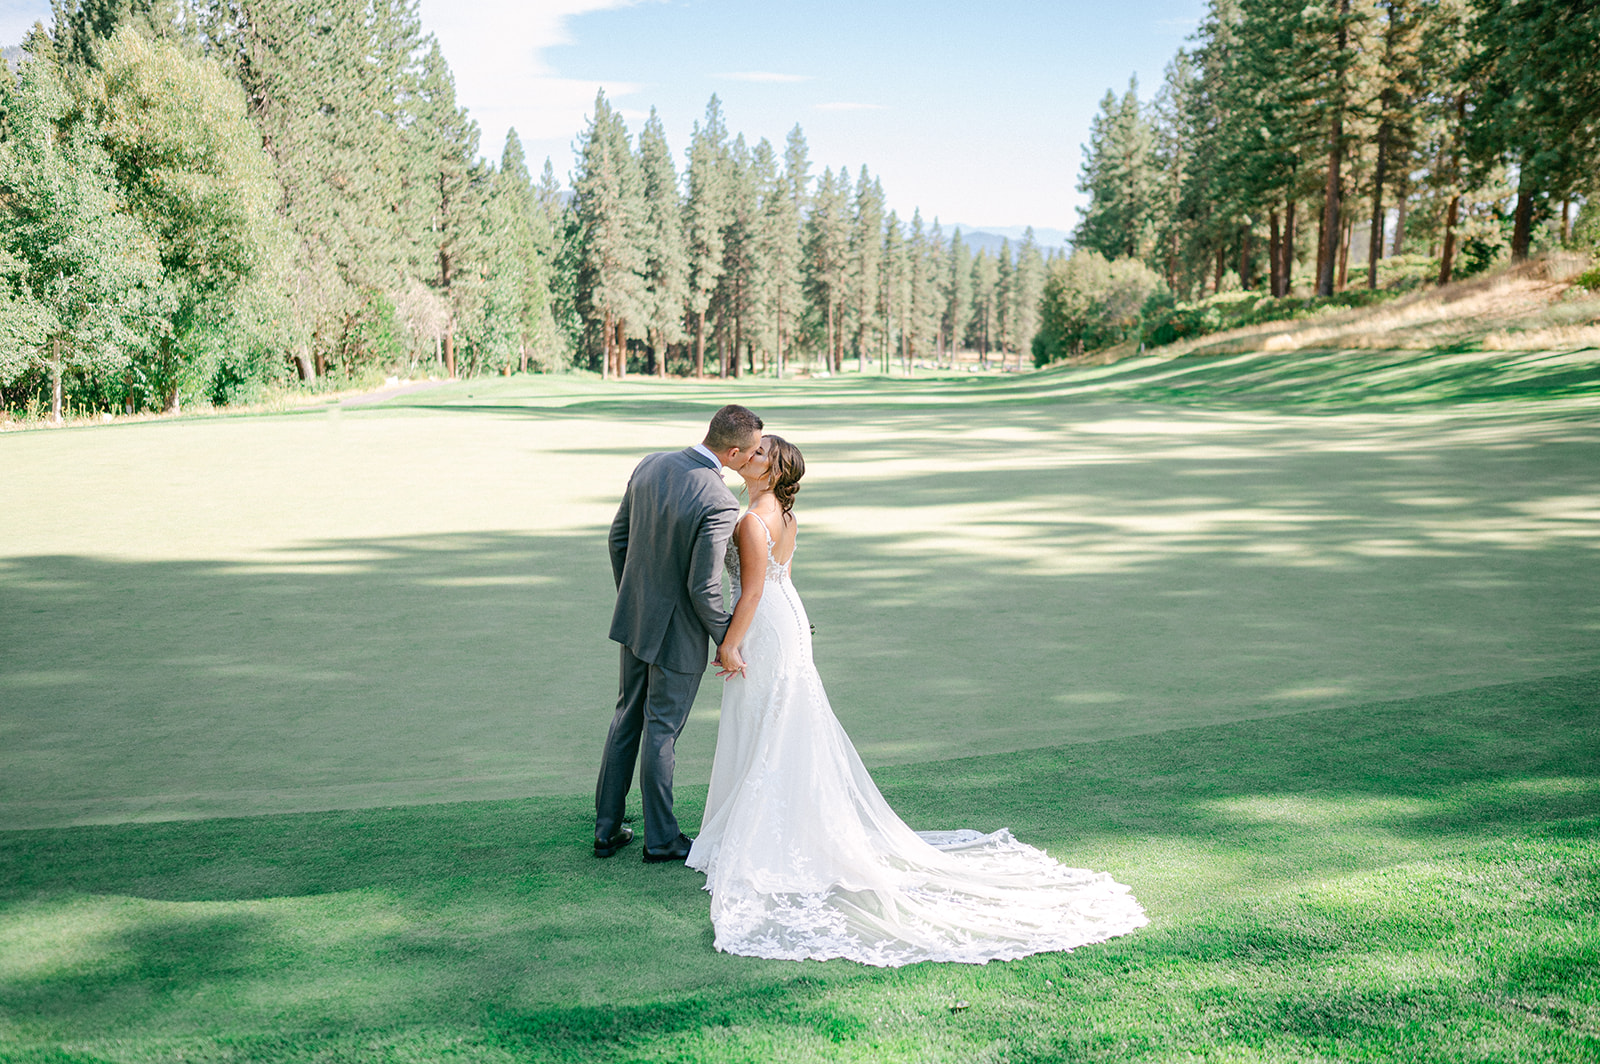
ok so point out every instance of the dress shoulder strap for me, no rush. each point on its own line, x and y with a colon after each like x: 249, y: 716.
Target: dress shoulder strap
x: 764, y: 526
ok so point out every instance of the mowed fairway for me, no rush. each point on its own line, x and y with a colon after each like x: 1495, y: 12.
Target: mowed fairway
x: 299, y: 719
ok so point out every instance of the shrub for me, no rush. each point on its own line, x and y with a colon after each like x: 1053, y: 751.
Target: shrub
x: 1091, y: 303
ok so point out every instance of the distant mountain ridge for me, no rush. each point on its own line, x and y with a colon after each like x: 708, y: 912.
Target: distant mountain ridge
x: 988, y: 238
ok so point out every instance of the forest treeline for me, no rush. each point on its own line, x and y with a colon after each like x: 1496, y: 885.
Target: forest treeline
x: 203, y: 198
x: 1297, y: 143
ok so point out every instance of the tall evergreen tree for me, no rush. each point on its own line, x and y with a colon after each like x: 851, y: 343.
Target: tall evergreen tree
x: 866, y: 261
x: 958, y: 304
x: 608, y: 200
x: 707, y: 214
x: 1119, y: 179
x: 667, y: 253
x: 827, y: 259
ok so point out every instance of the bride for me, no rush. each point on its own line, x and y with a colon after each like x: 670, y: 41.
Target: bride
x: 802, y: 855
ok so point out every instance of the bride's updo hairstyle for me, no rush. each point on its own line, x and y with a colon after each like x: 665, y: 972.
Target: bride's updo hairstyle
x: 785, y: 467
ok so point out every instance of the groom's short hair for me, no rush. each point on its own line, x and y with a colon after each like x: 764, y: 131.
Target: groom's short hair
x: 731, y: 427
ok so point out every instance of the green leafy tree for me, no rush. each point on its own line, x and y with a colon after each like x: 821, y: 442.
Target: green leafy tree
x: 190, y: 167
x: 1089, y: 303
x: 80, y: 280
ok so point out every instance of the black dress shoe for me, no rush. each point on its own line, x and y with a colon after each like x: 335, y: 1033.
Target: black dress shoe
x: 677, y: 851
x: 607, y: 847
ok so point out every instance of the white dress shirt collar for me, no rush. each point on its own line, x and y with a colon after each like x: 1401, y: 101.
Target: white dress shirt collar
x: 716, y: 463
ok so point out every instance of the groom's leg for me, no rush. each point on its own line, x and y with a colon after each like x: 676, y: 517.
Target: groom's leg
x: 622, y: 746
x: 666, y: 709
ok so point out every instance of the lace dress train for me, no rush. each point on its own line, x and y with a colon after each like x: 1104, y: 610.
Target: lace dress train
x: 805, y: 859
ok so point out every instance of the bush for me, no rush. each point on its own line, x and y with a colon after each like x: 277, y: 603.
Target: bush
x: 1090, y: 303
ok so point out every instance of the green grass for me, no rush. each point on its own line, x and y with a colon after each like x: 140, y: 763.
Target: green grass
x: 1410, y: 879
x: 299, y: 716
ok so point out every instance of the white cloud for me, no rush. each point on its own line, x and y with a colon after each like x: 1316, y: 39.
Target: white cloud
x: 846, y: 106
x: 763, y: 75
x: 496, y: 52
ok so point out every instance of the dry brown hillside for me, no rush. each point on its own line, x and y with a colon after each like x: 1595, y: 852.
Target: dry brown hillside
x: 1534, y: 306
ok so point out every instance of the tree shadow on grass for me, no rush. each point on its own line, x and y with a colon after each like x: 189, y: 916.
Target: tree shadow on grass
x: 493, y: 916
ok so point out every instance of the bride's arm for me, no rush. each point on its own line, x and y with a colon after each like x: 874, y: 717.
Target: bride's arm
x: 752, y: 578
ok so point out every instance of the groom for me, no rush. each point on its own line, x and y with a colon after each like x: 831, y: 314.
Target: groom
x: 667, y: 543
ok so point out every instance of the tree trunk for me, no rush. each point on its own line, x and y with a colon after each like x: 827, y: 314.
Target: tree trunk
x: 605, y: 347
x: 303, y: 366
x: 738, y: 342
x: 1522, y: 230
x: 700, y: 345
x: 1244, y: 262
x: 1447, y: 258
x: 55, y: 381
x: 1291, y: 213
x: 1331, y: 222
x: 1274, y: 254
x: 1403, y: 194
x: 449, y: 355
x: 1375, y: 230
x: 1346, y: 233
x: 622, y: 349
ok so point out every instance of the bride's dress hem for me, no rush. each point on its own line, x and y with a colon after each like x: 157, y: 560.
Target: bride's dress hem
x: 806, y: 861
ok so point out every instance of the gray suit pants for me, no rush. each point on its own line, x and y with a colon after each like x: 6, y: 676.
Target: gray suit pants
x: 652, y: 708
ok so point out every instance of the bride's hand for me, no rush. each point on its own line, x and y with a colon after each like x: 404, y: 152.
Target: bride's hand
x: 729, y: 662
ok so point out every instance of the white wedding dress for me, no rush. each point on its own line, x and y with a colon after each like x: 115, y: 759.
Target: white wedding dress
x: 805, y: 859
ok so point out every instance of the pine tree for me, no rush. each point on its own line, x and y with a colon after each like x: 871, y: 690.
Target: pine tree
x: 444, y: 148
x: 1539, y: 105
x: 667, y: 252
x: 706, y: 216
x: 985, y: 305
x: 893, y: 282
x: 1118, y: 177
x: 608, y: 200
x: 1027, y: 286
x: 958, y: 289
x: 866, y: 260
x: 741, y: 298
x: 827, y: 260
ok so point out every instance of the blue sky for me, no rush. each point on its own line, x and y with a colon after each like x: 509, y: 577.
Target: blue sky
x: 973, y: 111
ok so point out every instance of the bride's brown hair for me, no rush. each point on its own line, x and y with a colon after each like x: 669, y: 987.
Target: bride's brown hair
x: 785, y: 467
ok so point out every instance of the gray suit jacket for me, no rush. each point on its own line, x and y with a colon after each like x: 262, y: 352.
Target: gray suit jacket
x: 667, y: 543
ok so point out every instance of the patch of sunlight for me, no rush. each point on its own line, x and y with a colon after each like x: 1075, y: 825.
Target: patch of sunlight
x: 1563, y: 508
x: 44, y: 678
x: 1330, y: 691
x: 1428, y: 500
x: 39, y: 940
x: 710, y: 714
x: 1395, y: 548
x: 901, y: 750
x: 517, y: 580
x: 1323, y: 812
x: 304, y: 569
x: 1091, y: 698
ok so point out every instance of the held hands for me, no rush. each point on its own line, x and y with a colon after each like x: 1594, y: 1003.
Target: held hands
x: 729, y: 662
